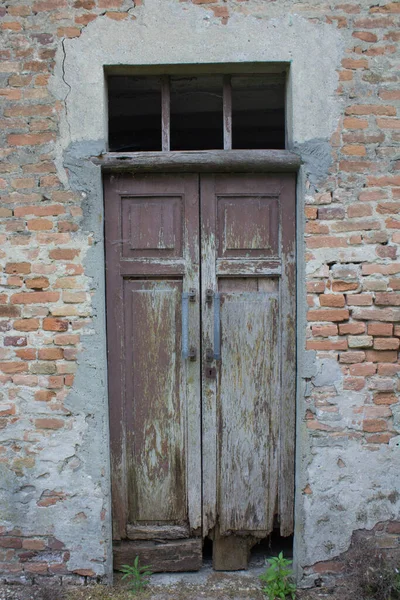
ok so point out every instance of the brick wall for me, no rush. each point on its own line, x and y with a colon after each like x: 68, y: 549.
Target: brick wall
x: 352, y: 233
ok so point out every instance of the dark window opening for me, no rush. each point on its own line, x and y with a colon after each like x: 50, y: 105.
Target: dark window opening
x: 196, y: 113
x: 134, y: 113
x: 199, y: 112
x: 258, y: 115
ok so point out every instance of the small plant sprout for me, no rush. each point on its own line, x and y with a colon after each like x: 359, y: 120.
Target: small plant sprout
x: 137, y: 576
x: 278, y: 579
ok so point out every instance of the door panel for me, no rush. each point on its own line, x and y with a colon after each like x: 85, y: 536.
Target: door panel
x: 247, y: 228
x: 248, y: 411
x: 229, y: 405
x: 156, y: 451
x: 152, y: 257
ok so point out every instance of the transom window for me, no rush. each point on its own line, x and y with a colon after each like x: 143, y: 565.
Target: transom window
x: 196, y: 112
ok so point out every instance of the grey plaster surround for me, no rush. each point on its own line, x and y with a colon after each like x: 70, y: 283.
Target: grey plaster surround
x: 167, y: 32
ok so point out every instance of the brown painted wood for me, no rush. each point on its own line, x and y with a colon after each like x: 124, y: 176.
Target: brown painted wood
x: 249, y: 408
x: 246, y: 410
x: 173, y: 556
x: 200, y: 161
x: 152, y: 256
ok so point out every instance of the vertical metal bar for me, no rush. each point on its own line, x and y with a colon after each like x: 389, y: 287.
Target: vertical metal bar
x: 185, y: 325
x: 217, y: 326
x: 227, y: 112
x: 165, y: 114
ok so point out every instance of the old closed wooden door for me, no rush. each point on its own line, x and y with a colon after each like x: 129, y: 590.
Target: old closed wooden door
x: 201, y: 346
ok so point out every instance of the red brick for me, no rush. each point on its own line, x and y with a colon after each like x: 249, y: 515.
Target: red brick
x: 50, y: 353
x: 354, y: 383
x: 344, y: 286
x: 388, y: 124
x: 53, y: 324
x: 48, y: 423
x: 385, y: 398
x: 335, y: 300
x: 351, y: 63
x: 37, y: 283
x: 359, y: 299
x: 379, y: 438
x: 374, y: 23
x: 351, y: 328
x: 30, y: 139
x: 64, y: 253
x: 44, y: 395
x: 352, y: 357
x: 326, y: 345
x: 381, y: 329
x: 9, y: 311
x: 13, y: 367
x: 354, y: 123
x: 387, y: 298
x: 365, y: 36
x: 374, y: 425
x: 370, y: 109
x: 324, y: 330
x: 389, y: 356
x: 15, y: 340
x: 316, y: 287
x: 21, y: 268
x: 35, y: 297
x: 10, y: 542
x: 68, y: 32
x: 362, y: 370
x: 386, y: 343
x: 26, y: 324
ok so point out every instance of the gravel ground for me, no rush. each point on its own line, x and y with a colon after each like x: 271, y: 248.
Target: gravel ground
x: 219, y: 586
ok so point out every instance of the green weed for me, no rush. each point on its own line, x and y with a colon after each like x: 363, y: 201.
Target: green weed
x: 137, y: 576
x: 278, y: 579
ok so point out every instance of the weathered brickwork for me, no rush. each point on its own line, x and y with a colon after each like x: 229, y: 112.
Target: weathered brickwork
x: 352, y: 238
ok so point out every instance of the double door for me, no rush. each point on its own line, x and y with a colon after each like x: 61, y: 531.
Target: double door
x: 201, y: 350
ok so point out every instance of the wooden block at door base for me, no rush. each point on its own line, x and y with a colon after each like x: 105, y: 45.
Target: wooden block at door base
x: 170, y: 556
x: 231, y: 553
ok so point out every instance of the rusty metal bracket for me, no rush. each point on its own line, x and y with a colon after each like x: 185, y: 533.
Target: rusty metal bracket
x: 192, y: 353
x: 192, y: 295
x: 209, y: 355
x: 209, y: 296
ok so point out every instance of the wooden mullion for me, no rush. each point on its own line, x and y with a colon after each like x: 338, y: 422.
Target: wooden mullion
x: 165, y: 114
x: 227, y: 112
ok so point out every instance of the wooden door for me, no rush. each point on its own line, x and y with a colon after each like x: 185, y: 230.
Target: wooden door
x: 152, y: 259
x: 201, y: 368
x: 248, y: 374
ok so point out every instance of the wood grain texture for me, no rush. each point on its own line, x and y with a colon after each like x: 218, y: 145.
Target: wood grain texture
x: 152, y: 256
x: 155, y: 402
x: 200, y: 161
x: 249, y: 408
x: 173, y: 556
x: 248, y: 412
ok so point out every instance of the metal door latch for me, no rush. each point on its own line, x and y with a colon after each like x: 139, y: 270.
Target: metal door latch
x: 209, y: 296
x: 192, y: 353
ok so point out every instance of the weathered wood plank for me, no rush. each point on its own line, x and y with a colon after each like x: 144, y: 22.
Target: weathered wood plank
x: 157, y: 532
x: 288, y: 351
x: 200, y: 161
x: 248, y: 267
x: 156, y: 465
x: 248, y: 403
x: 231, y: 553
x: 171, y: 556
